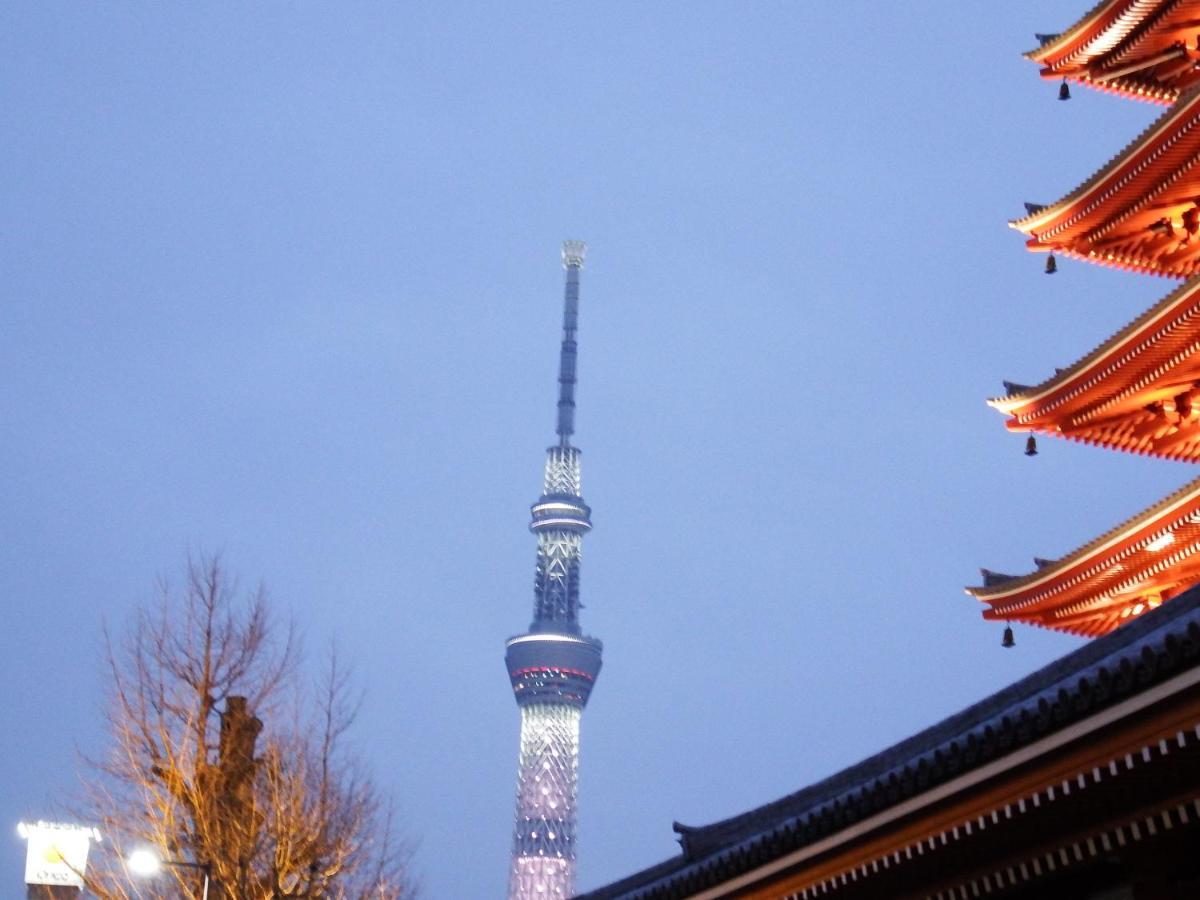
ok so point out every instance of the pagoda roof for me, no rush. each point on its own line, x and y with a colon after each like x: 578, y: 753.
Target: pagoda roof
x: 742, y: 855
x: 1137, y: 391
x: 1137, y: 48
x: 1141, y: 211
x: 1135, y: 567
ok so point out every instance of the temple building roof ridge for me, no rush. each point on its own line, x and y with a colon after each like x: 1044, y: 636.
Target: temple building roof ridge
x: 1028, y: 223
x: 1142, y: 49
x: 1022, y: 393
x: 1045, y: 573
x: 1138, y: 391
x: 1141, y: 210
x: 1072, y: 39
x: 1130, y: 662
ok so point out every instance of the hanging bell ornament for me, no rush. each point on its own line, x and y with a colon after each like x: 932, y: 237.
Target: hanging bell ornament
x: 1008, y: 640
x: 1051, y: 264
x: 1031, y: 446
x: 1064, y: 92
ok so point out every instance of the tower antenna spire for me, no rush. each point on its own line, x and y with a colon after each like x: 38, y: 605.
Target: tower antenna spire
x: 573, y: 253
x: 554, y: 665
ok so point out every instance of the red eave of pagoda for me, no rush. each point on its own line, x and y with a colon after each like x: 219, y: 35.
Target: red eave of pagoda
x: 1139, y: 391
x: 1138, y: 48
x: 1142, y: 210
x: 1136, y: 566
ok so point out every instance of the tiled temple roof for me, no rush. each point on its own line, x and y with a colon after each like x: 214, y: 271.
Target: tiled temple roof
x: 1139, y: 211
x: 1140, y: 563
x: 1137, y: 48
x: 1133, y: 392
x: 1099, y: 675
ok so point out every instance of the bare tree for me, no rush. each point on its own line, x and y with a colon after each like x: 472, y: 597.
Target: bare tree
x: 223, y: 766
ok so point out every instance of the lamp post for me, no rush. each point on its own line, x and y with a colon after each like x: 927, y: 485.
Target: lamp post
x: 146, y: 863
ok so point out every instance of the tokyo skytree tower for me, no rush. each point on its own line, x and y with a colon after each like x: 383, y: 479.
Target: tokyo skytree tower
x: 554, y: 666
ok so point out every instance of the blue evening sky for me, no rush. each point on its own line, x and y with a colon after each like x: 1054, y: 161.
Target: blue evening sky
x: 283, y: 280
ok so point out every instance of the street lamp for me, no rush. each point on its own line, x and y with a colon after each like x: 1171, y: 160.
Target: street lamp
x: 145, y: 863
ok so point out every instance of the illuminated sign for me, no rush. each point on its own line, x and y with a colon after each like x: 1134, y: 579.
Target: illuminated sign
x: 56, y: 853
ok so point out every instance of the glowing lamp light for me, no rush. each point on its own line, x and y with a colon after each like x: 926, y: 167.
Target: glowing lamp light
x: 144, y: 862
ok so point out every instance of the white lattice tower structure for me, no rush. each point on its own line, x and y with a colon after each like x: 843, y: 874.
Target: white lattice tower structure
x: 554, y: 666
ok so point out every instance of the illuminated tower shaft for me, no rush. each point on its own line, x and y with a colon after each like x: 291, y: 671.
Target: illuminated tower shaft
x: 554, y: 666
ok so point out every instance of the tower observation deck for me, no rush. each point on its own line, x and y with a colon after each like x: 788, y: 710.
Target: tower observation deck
x: 554, y: 665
